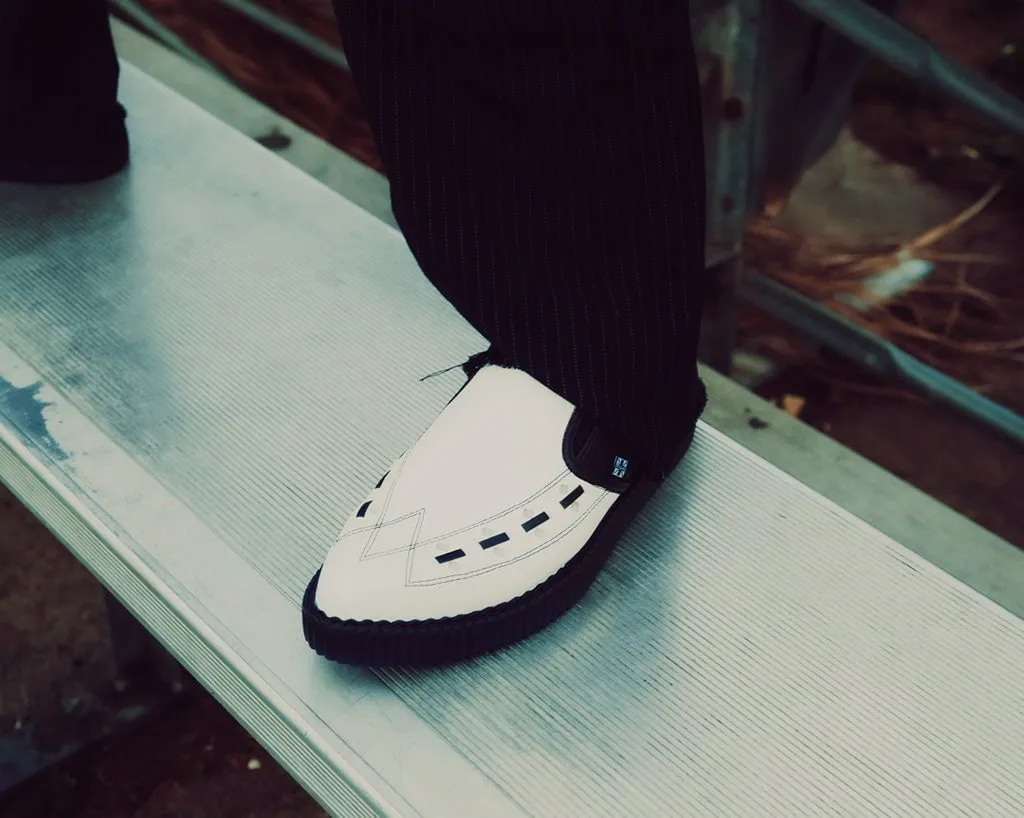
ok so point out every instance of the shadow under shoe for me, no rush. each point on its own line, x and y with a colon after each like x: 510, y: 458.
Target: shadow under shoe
x: 60, y: 121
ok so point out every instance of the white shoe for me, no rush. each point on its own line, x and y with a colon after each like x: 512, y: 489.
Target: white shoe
x: 493, y: 524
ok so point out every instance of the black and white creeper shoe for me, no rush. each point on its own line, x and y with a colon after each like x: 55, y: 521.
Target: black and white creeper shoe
x: 493, y: 524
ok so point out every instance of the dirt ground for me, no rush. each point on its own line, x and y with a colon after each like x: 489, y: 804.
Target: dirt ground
x: 193, y: 760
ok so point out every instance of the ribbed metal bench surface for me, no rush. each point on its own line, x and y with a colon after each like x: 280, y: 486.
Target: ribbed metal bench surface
x: 206, y: 361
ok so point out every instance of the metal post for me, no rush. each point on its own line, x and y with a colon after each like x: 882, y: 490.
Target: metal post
x: 734, y: 35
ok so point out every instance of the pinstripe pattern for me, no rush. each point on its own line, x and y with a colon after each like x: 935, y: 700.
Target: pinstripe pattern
x: 547, y: 171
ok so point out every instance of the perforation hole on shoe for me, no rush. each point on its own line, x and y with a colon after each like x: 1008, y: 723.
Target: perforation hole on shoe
x: 450, y: 556
x: 381, y: 481
x: 535, y: 521
x: 363, y: 508
x: 491, y: 542
x: 572, y: 497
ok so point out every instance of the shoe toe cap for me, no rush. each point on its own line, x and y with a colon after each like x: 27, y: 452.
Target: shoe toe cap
x: 379, y: 574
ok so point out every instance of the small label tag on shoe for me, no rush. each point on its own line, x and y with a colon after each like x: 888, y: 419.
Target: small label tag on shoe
x: 590, y: 454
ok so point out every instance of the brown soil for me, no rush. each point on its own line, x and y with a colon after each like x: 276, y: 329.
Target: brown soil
x: 194, y: 761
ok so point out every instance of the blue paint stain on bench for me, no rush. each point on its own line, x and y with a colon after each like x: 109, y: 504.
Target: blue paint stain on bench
x: 23, y: 409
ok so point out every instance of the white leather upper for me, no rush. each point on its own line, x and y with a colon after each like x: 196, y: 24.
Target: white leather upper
x: 490, y: 462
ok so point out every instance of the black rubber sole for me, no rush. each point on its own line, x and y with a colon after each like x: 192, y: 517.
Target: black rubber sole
x: 455, y: 639
x: 28, y: 173
x: 107, y: 157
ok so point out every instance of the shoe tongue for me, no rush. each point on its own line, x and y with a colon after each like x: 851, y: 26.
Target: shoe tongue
x: 592, y: 454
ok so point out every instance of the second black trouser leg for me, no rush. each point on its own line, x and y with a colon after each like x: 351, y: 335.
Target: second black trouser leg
x: 60, y: 120
x: 547, y: 170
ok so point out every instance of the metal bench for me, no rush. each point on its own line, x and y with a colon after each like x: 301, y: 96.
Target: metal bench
x: 205, y: 361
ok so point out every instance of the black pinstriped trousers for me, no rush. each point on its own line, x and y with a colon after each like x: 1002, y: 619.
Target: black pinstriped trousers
x: 546, y: 167
x: 58, y: 80
x: 547, y: 170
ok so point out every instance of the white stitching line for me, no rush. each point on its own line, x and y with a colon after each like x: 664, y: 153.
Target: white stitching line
x: 602, y: 494
x: 456, y: 533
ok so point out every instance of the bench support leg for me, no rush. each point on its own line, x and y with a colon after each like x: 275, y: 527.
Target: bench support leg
x: 138, y: 657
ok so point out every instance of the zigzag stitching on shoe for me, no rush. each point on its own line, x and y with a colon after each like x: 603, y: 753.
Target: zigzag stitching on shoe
x: 397, y: 469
